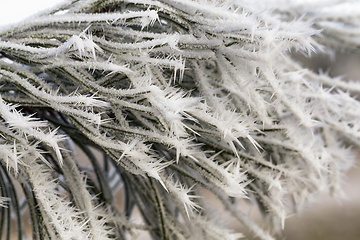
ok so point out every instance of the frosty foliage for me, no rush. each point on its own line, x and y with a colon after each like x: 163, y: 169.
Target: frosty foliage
x: 178, y: 96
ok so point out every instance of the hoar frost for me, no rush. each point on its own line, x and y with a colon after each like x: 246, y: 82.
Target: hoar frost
x: 179, y: 98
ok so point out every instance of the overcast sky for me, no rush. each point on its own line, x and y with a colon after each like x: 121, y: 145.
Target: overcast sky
x: 12, y: 11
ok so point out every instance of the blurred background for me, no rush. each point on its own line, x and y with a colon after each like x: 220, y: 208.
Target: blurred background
x: 326, y: 218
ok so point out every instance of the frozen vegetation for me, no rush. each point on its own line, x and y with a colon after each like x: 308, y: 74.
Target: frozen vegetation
x: 178, y: 97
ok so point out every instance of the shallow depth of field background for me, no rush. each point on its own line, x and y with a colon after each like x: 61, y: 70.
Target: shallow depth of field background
x: 327, y: 218
x: 12, y: 11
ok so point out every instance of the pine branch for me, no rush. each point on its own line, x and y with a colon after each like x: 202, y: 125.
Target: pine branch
x: 178, y: 97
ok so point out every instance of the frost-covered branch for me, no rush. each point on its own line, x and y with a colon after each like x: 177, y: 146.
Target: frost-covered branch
x: 177, y: 97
